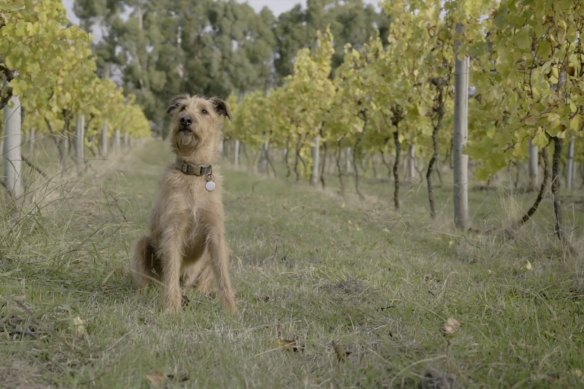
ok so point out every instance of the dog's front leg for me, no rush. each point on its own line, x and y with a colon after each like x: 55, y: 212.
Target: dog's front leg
x: 220, y: 265
x: 171, y: 253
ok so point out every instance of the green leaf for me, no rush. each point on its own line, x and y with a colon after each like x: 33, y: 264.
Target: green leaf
x: 523, y: 39
x: 544, y: 49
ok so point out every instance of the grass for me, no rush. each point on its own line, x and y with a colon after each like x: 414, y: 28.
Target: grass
x: 333, y: 292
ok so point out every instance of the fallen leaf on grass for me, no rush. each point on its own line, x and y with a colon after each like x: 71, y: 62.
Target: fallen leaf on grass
x: 528, y: 266
x: 157, y: 378
x: 450, y: 327
x: 79, y: 327
x: 341, y: 352
x: 289, y: 345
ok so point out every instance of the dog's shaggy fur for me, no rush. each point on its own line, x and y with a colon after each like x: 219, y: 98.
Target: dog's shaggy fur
x: 186, y: 244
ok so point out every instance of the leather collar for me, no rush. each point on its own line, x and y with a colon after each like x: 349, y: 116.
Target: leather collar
x: 194, y: 170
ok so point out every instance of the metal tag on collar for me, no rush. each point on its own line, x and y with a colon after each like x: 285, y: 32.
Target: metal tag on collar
x: 185, y: 168
x: 210, y: 182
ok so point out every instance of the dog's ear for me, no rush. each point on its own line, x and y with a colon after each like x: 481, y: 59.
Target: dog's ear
x: 220, y: 107
x: 176, y: 102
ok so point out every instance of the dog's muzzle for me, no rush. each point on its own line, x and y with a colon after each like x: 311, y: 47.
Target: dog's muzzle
x: 185, y: 123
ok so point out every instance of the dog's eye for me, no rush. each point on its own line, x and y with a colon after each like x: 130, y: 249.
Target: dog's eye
x: 183, y: 108
x: 204, y: 112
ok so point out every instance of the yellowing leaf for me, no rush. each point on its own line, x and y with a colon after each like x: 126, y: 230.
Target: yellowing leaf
x: 531, y: 120
x: 540, y: 139
x: 576, y: 123
x: 554, y: 119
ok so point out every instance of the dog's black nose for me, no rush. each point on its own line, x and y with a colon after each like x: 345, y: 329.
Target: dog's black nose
x: 186, y: 121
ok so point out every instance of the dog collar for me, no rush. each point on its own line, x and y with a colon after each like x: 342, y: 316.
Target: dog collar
x: 199, y: 170
x: 194, y: 170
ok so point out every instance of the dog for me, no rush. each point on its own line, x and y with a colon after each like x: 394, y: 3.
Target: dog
x: 186, y: 245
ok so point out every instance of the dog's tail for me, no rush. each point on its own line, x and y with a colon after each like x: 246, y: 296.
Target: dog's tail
x: 145, y: 264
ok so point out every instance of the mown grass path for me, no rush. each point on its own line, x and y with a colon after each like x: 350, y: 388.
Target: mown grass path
x: 331, y: 294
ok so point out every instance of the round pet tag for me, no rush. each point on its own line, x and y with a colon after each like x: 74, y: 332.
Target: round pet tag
x: 210, y: 186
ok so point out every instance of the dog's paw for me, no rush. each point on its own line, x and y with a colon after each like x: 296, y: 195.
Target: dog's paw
x: 229, y: 304
x: 172, y: 309
x: 173, y: 302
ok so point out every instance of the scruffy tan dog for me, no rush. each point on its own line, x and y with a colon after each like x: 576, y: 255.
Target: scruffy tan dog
x: 186, y: 244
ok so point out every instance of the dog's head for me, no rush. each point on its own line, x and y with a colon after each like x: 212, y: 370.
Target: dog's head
x: 196, y: 122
